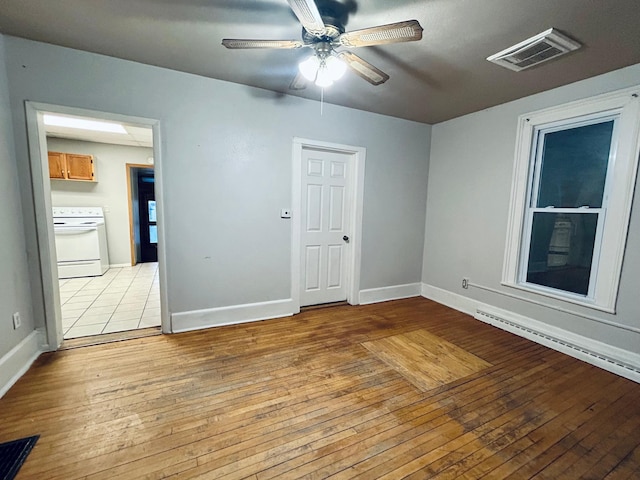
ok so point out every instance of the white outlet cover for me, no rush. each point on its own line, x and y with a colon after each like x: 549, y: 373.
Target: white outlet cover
x: 285, y: 213
x: 16, y: 320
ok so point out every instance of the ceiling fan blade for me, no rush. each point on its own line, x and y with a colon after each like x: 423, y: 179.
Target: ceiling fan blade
x: 298, y: 83
x: 236, y: 43
x: 309, y: 16
x: 408, y: 31
x: 364, y: 69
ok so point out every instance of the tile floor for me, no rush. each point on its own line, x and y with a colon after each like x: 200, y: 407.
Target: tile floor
x: 122, y: 299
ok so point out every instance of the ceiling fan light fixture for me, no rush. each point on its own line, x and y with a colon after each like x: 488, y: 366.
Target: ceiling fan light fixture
x: 336, y: 67
x: 322, y: 70
x: 309, y: 67
x: 324, y: 77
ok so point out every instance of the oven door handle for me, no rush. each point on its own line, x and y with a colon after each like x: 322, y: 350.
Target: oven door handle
x: 74, y: 230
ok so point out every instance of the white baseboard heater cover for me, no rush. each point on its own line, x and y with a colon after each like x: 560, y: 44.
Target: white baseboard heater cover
x: 610, y: 364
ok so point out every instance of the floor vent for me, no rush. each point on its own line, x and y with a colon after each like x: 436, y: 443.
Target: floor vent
x: 493, y: 320
x: 535, y: 50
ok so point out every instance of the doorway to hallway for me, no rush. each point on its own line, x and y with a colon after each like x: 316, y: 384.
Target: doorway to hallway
x: 143, y: 227
x: 148, y: 227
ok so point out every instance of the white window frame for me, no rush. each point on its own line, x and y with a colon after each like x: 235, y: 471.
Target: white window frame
x: 624, y: 105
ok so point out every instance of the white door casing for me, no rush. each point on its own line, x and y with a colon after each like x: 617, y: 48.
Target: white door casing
x: 327, y: 193
x: 37, y: 144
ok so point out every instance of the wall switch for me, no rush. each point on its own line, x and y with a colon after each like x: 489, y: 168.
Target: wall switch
x: 16, y: 320
x: 285, y: 213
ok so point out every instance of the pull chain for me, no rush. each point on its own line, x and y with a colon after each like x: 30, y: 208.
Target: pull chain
x: 321, y: 101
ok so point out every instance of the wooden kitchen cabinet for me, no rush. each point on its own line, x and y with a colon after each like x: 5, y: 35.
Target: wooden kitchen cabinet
x: 71, y: 166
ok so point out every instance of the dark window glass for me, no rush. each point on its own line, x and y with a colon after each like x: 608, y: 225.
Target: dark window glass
x: 561, y: 250
x: 574, y: 166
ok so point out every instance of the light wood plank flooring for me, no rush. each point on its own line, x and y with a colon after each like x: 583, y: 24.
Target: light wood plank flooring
x: 426, y: 360
x: 305, y: 397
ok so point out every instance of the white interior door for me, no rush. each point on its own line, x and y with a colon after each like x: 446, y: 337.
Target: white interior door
x: 324, y: 223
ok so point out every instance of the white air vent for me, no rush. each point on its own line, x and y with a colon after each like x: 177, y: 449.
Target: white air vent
x: 535, y: 50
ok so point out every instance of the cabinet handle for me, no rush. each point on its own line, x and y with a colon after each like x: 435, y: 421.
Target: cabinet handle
x: 62, y: 172
x: 69, y: 173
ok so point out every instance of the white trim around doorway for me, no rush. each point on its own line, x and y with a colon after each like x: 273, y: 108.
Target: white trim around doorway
x: 355, y: 202
x: 43, y: 215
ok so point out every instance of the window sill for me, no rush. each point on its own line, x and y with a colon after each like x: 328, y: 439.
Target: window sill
x: 575, y: 300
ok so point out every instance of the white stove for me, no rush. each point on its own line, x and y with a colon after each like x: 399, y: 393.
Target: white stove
x: 81, y: 241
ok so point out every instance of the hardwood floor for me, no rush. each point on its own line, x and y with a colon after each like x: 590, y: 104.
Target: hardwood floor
x: 303, y: 397
x: 426, y: 360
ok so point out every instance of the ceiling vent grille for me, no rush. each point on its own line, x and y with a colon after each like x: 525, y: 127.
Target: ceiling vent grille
x: 535, y: 50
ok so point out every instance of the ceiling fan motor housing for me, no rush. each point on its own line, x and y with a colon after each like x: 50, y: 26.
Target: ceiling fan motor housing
x: 323, y: 49
x: 333, y: 30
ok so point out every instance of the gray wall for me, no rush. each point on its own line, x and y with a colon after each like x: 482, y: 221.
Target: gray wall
x: 109, y: 192
x: 15, y: 295
x: 226, y: 162
x: 469, y: 188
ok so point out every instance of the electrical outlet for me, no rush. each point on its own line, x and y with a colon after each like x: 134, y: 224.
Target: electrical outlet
x: 465, y: 283
x: 16, y: 320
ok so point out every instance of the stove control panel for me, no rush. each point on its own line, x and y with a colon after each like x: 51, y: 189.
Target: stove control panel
x: 78, y: 212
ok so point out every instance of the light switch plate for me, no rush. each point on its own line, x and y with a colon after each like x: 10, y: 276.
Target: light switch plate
x: 285, y: 213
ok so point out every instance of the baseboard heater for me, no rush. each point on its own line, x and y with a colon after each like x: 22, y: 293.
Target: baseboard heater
x: 597, y: 359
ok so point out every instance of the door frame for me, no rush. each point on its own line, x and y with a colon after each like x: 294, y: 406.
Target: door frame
x: 355, y: 202
x: 37, y: 141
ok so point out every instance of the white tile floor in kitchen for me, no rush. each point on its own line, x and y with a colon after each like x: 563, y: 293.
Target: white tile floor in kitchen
x: 122, y: 299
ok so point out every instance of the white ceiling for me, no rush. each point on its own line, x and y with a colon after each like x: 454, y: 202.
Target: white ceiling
x: 440, y: 77
x: 136, y: 136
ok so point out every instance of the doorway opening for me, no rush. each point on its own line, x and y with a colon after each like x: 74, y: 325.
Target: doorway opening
x: 81, y: 186
x: 143, y: 222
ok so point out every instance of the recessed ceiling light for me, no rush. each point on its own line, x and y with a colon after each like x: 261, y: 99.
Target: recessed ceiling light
x: 83, y: 124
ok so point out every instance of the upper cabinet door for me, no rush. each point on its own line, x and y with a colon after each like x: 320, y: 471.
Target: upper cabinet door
x: 57, y: 167
x: 79, y: 167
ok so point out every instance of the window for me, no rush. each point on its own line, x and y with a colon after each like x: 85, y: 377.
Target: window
x: 571, y: 199
x: 153, y: 228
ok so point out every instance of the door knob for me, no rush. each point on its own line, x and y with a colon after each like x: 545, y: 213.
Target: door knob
x: 346, y: 238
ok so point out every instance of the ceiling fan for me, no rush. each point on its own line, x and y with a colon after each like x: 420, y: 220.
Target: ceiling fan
x: 326, y: 35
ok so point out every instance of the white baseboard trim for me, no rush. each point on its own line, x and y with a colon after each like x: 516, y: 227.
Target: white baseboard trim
x: 18, y: 360
x: 610, y: 358
x: 450, y: 299
x: 216, y: 317
x: 394, y: 292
